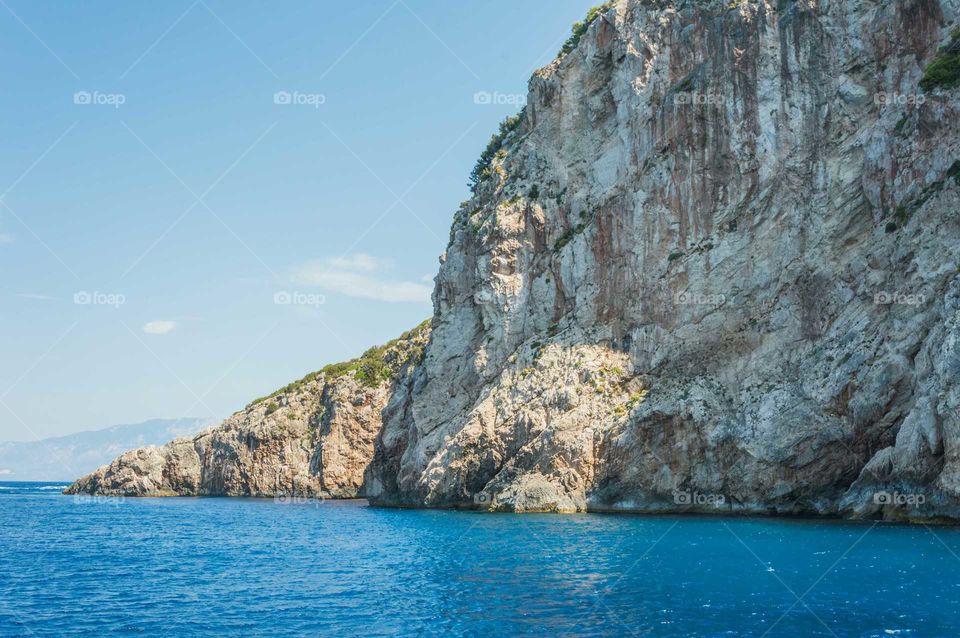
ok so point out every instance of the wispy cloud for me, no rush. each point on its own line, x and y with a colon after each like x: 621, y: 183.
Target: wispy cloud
x: 360, y: 276
x: 34, y: 295
x: 6, y: 238
x: 159, y: 327
x: 6, y: 472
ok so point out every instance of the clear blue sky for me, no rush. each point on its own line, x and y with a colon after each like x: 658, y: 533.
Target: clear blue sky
x: 189, y: 206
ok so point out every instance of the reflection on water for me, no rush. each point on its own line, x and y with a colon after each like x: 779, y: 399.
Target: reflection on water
x: 252, y: 567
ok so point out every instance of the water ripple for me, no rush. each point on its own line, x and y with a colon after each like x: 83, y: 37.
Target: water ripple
x: 206, y: 567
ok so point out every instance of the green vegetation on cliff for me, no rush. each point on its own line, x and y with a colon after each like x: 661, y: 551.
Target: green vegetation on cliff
x: 482, y: 169
x: 944, y: 70
x: 497, y: 144
x: 372, y: 368
x: 579, y: 28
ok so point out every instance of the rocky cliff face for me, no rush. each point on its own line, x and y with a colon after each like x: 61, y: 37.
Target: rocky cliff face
x: 713, y: 266
x: 313, y: 438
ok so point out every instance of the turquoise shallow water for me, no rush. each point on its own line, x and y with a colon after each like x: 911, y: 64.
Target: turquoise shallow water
x: 247, y: 567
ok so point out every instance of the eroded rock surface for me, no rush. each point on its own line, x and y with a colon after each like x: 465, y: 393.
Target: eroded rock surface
x: 713, y: 267
x: 312, y: 439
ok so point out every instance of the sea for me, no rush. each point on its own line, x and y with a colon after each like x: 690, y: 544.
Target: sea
x: 96, y: 566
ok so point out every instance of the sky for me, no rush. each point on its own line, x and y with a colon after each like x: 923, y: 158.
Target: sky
x: 203, y: 200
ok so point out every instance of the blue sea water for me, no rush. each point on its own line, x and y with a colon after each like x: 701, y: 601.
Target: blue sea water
x: 248, y: 567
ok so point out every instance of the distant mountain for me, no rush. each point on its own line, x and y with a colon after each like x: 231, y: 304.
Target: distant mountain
x: 66, y: 457
x: 712, y: 266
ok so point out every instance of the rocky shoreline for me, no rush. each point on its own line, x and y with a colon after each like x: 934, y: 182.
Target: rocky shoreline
x: 713, y: 265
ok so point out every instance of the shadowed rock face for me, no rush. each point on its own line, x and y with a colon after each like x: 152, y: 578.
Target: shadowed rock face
x: 716, y: 268
x: 313, y: 439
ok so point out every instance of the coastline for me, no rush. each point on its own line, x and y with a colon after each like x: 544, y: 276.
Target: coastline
x: 653, y: 511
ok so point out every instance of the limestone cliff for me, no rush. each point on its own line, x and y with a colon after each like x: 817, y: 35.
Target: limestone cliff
x: 712, y: 266
x: 313, y: 438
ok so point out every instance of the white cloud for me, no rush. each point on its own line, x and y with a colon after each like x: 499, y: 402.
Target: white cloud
x: 159, y: 327
x: 6, y: 472
x: 358, y: 262
x: 6, y: 239
x: 360, y: 276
